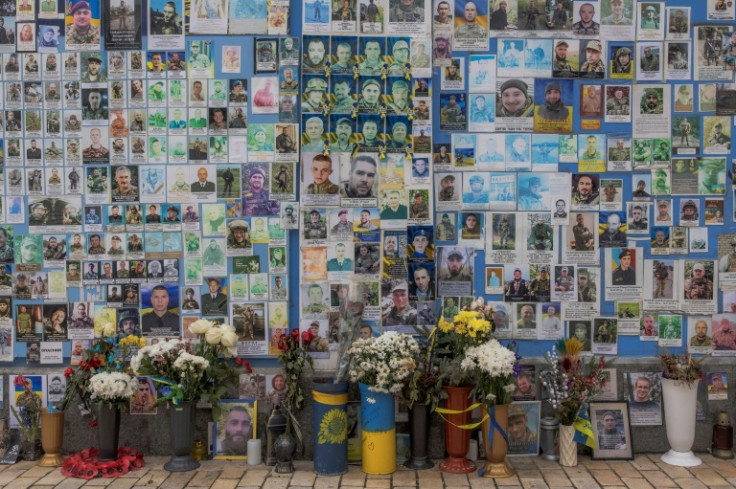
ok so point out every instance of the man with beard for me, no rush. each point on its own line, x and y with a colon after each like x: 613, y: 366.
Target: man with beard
x: 343, y: 99
x: 238, y: 431
x: 539, y: 288
x: 456, y: 271
x: 363, y: 171
x: 701, y: 337
x: 554, y: 108
x: 585, y: 192
x: 441, y: 47
x: 447, y: 193
x: 93, y: 110
x: 593, y: 66
x: 366, y: 261
x: 423, y: 286
x: 651, y: 103
x: 451, y: 111
x: 343, y: 130
x: 699, y: 286
x: 561, y: 66
x: 315, y: 56
x: 256, y: 200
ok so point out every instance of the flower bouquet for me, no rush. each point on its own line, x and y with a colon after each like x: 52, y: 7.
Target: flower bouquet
x: 295, y: 358
x: 172, y: 364
x: 683, y: 369
x: 494, y: 368
x: 215, y: 342
x: 570, y: 383
x: 467, y: 329
x: 114, y: 389
x: 383, y: 363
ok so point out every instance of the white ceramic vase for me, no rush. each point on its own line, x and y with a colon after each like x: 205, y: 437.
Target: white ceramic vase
x: 680, y: 403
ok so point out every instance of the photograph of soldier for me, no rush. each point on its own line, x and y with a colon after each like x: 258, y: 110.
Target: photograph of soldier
x: 698, y: 280
x: 456, y: 264
x: 314, y: 58
x: 611, y: 234
x: 315, y: 226
x: 516, y: 288
x: 539, y: 286
x: 591, y: 101
x: 367, y: 259
x: 586, y: 25
x: 164, y: 18
x: 406, y: 11
x: 594, y: 66
x: 80, y: 28
x: 313, y: 138
x: 342, y: 99
x: 514, y: 100
x: 565, y: 64
x: 361, y: 179
x: 472, y: 25
x: 504, y: 231
x: 452, y: 112
x: 399, y: 311
x: 541, y: 235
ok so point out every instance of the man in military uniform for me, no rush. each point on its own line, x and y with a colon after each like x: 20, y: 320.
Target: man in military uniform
x: 284, y: 143
x: 213, y: 254
x: 82, y: 31
x: 421, y: 59
x: 451, y: 111
x: 72, y: 274
x: 369, y: 100
x: 527, y: 319
x: 625, y: 273
x: 586, y: 26
x: 619, y: 153
x: 167, y: 23
x: 419, y: 209
x: 401, y: 312
x: 343, y: 99
x: 717, y: 138
x: 443, y: 13
x: 343, y: 226
x: 343, y: 131
x: 586, y: 289
x: 315, y: 228
x: 447, y: 193
x: 93, y: 74
x: 366, y: 261
x: 93, y: 110
x: 237, y: 94
x: 561, y: 64
x: 315, y: 56
x: 470, y: 29
x: 712, y: 48
x: 315, y: 306
x: 21, y: 288
x: 401, y: 57
x: 586, y: 192
x: 456, y: 267
x: 197, y: 59
x: 407, y: 11
x: 651, y: 103
x: 315, y: 91
x: 699, y: 286
x: 122, y: 271
x: 593, y: 66
x: 519, y: 432
x: 445, y: 229
x: 54, y: 250
x: 583, y: 237
x: 476, y: 195
x: 400, y: 96
x: 321, y: 171
x: 727, y: 263
x: 239, y: 237
x: 452, y: 73
x: 289, y: 83
x: 39, y: 214
x: 95, y: 150
x: 539, y: 288
x: 650, y: 61
x: 256, y: 199
x: 373, y: 64
x: 622, y: 61
x: 540, y: 236
x: 124, y: 188
x: 617, y: 14
x: 564, y: 283
x: 701, y: 337
x: 639, y: 221
x: 503, y: 228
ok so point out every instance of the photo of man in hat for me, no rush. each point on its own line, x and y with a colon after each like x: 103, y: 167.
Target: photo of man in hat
x: 457, y: 265
x: 401, y: 312
x: 624, y: 274
x: 81, y: 31
x: 314, y: 95
x: 617, y: 15
x: 594, y: 67
x: 561, y: 67
x: 553, y: 108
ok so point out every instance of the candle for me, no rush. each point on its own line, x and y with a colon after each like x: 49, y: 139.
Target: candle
x: 254, y: 452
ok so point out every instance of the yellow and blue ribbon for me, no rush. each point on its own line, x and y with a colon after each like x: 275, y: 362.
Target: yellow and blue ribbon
x: 494, y: 426
x: 584, y: 429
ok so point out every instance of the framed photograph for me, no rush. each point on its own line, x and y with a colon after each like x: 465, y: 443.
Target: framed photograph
x: 523, y: 428
x: 235, y: 425
x: 610, y: 421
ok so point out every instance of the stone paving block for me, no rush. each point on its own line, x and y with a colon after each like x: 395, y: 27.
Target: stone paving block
x: 534, y: 484
x: 204, y: 478
x: 708, y: 477
x: 378, y: 483
x: 584, y: 482
x: 353, y: 478
x: 167, y: 480
x: 724, y: 468
x: 690, y: 483
x: 327, y: 481
x: 38, y: 471
x: 642, y: 462
x: 122, y: 483
x: 459, y: 480
x: 98, y: 482
x: 10, y: 475
x: 624, y: 468
x: 232, y: 472
x: 70, y: 483
x: 303, y: 478
x: 253, y: 478
x: 480, y: 483
x: 224, y: 484
x: 675, y: 472
x: 639, y: 483
x: 404, y: 478
x: 658, y: 479
x: 51, y: 479
x: 508, y: 481
x: 556, y: 477
x: 276, y: 483
x: 606, y: 477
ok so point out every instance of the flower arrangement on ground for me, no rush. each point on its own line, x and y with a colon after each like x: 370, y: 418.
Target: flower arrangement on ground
x: 681, y: 368
x: 29, y: 409
x: 295, y: 359
x: 383, y: 362
x: 114, y: 389
x: 216, y: 342
x: 494, y: 368
x: 467, y: 329
x: 570, y: 382
x: 424, y: 385
x: 174, y: 365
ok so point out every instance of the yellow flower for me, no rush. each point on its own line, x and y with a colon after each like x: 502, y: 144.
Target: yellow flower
x: 444, y: 326
x: 334, y: 427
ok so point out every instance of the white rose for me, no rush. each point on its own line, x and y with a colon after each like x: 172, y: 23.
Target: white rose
x: 200, y: 326
x: 214, y: 335
x: 229, y: 338
x: 108, y: 330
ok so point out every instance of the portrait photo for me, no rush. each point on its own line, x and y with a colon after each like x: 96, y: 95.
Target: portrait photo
x: 235, y: 425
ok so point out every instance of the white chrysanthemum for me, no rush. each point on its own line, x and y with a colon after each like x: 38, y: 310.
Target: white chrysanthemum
x: 201, y: 326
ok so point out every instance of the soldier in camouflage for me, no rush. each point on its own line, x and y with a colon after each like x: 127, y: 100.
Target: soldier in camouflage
x: 699, y: 286
x: 82, y: 31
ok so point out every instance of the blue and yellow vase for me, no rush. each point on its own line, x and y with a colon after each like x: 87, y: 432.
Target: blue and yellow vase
x: 379, y: 431
x: 330, y: 427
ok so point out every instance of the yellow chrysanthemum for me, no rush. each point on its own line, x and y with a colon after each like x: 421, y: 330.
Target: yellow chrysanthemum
x: 444, y: 326
x: 334, y: 427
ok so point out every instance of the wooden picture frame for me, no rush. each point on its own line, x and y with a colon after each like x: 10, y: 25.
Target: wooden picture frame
x: 611, y: 446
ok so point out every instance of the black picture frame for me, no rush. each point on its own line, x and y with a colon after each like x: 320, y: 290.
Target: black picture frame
x: 617, y: 446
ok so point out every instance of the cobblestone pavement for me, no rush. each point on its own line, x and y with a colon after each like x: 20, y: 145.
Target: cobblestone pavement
x: 645, y: 471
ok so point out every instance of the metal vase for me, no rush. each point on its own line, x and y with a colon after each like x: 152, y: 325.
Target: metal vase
x: 108, y: 431
x: 419, y: 416
x: 52, y: 438
x: 182, y: 436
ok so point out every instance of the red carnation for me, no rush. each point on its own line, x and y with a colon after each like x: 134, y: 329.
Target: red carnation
x: 68, y: 372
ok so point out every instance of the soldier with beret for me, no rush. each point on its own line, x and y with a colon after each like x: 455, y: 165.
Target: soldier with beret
x: 343, y: 227
x: 82, y: 31
x: 237, y: 94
